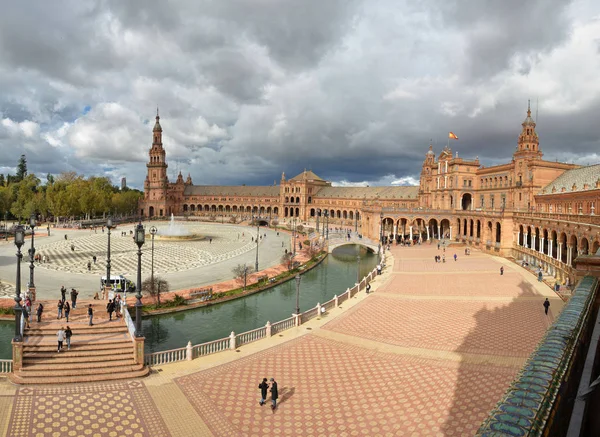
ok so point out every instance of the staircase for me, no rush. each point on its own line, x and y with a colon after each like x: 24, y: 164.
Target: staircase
x: 102, y: 352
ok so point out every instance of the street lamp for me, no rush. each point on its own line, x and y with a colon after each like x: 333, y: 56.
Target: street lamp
x: 257, y: 235
x: 19, y: 241
x: 140, y: 238
x: 298, y: 294
x: 31, y: 258
x: 327, y: 227
x: 294, y: 236
x: 381, y: 233
x: 356, y: 222
x: 107, y: 284
x: 358, y: 269
x: 153, y: 232
x: 318, y: 213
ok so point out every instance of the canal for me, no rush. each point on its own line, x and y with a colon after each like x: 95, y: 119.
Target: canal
x: 336, y: 273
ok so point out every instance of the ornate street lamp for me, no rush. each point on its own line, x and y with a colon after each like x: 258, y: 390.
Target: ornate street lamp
x: 107, y: 284
x: 257, y: 235
x: 381, y: 234
x: 32, y: 223
x: 298, y: 294
x: 153, y: 232
x: 317, y: 213
x: 19, y: 241
x: 358, y: 269
x: 140, y: 238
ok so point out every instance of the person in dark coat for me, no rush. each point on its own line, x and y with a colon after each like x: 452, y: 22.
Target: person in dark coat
x: 110, y: 308
x: 546, y: 306
x: 91, y: 314
x: 263, y: 386
x: 274, y: 394
x: 74, y: 294
x: 63, y: 293
x: 67, y: 310
x: 501, y: 270
x: 39, y: 312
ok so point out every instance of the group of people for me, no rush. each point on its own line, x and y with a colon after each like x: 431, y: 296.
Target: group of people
x: 41, y: 258
x: 62, y: 335
x: 264, y: 387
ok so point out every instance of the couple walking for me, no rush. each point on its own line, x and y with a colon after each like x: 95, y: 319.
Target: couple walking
x: 62, y: 335
x: 264, y: 386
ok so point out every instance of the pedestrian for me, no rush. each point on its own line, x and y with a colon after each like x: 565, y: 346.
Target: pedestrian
x: 274, y: 394
x: 44, y: 259
x: 540, y: 275
x: 26, y: 313
x: 74, y: 294
x: 210, y: 241
x: 444, y: 258
x: 263, y: 386
x: 65, y: 236
x: 110, y: 307
x: 61, y: 337
x: 501, y: 270
x: 90, y: 314
x: 94, y: 259
x: 63, y: 293
x: 67, y: 310
x: 28, y: 304
x: 60, y: 307
x: 89, y: 266
x: 368, y: 288
x: 72, y: 247
x: 546, y: 306
x: 39, y: 311
x: 455, y: 257
x: 379, y: 269
x: 68, y: 335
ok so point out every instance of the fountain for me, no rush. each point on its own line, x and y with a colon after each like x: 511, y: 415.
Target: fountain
x: 176, y: 232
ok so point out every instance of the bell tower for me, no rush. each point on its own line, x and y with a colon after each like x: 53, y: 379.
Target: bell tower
x: 528, y: 145
x: 156, y: 183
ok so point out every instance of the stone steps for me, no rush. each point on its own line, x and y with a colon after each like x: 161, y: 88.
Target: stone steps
x: 102, y: 352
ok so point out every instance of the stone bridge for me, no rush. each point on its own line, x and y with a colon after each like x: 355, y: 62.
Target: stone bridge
x: 337, y: 240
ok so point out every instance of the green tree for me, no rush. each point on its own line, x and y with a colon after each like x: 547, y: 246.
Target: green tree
x: 50, y: 179
x: 21, y: 168
x: 2, y: 180
x: 27, y: 198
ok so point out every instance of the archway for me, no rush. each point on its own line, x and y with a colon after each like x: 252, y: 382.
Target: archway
x: 562, y: 240
x: 466, y: 202
x: 584, y: 246
x: 445, y: 226
x: 433, y: 228
x: 554, y: 242
x: 498, y: 233
x: 545, y: 242
x: 537, y: 240
x: 521, y: 235
x: 478, y: 229
x: 151, y: 211
x: 574, y: 247
x: 595, y: 247
x: 528, y: 238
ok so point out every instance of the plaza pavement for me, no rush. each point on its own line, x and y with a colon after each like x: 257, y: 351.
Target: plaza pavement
x: 428, y: 353
x: 182, y: 264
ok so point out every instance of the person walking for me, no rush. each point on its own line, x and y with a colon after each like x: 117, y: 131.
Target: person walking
x: 263, y: 386
x: 60, y: 307
x: 455, y: 257
x: 94, y: 259
x: 540, y: 275
x: 68, y: 335
x: 368, y: 289
x: 444, y: 258
x: 501, y: 270
x: 74, y: 294
x: 26, y: 313
x: 63, y: 293
x: 89, y: 266
x: 61, y: 337
x: 67, y: 310
x: 39, y: 311
x: 91, y: 314
x: 110, y: 308
x: 274, y: 394
x: 546, y: 306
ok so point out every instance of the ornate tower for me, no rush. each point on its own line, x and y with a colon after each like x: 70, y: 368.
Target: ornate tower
x: 157, y: 182
x: 528, y: 145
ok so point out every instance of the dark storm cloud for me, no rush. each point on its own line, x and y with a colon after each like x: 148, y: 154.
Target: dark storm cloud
x: 498, y: 30
x: 247, y: 89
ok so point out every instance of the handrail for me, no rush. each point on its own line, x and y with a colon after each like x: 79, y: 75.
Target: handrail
x: 127, y: 319
x: 6, y: 366
x: 22, y: 324
x: 250, y: 336
x: 210, y: 347
x: 165, y: 357
x: 282, y: 325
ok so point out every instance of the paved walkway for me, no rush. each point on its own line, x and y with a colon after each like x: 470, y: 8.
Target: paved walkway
x: 182, y: 264
x: 428, y: 353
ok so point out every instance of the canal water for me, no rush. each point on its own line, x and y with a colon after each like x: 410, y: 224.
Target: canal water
x: 333, y: 276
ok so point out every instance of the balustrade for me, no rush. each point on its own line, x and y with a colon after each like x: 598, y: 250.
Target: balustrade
x: 6, y: 366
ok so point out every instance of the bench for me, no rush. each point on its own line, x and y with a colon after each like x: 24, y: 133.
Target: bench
x: 262, y: 278
x: 202, y: 293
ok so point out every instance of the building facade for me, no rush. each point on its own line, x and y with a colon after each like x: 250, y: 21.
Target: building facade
x: 539, y: 211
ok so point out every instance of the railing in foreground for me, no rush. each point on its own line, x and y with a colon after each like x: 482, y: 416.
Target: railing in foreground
x: 233, y: 341
x: 128, y: 319
x: 6, y: 366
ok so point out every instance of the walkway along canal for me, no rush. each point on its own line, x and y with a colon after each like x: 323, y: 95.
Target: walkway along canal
x: 333, y: 276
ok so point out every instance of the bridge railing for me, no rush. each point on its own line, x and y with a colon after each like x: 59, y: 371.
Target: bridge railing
x: 128, y: 320
x: 233, y: 341
x: 6, y: 366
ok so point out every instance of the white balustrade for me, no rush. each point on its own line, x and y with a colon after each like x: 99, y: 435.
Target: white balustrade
x: 165, y: 357
x: 210, y: 348
x: 6, y: 366
x: 128, y: 320
x: 282, y: 325
x: 250, y: 336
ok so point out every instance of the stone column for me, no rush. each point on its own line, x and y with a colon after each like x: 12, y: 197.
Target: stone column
x: 439, y: 232
x: 411, y: 235
x: 450, y: 235
x: 541, y: 245
x: 188, y: 351
x: 428, y: 237
x: 139, y: 350
x: 569, y: 255
x: 559, y: 252
x: 550, y: 248
x: 525, y: 238
x: 17, y: 352
x: 532, y: 242
x: 395, y: 230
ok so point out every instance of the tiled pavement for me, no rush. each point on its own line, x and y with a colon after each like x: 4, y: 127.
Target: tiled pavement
x: 420, y: 356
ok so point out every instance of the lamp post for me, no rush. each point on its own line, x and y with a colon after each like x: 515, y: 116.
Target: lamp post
x: 19, y: 241
x: 32, y: 258
x: 294, y: 236
x: 327, y: 227
x: 356, y: 222
x: 153, y: 232
x: 107, y: 284
x: 358, y: 269
x: 257, y: 235
x: 381, y: 234
x: 140, y: 238
x: 324, y: 214
x: 298, y: 294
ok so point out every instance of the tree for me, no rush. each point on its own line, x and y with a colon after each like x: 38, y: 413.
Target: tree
x: 27, y: 199
x: 49, y: 179
x: 313, y: 250
x: 160, y: 286
x: 21, y: 168
x: 240, y: 273
x: 2, y: 180
x: 288, y: 260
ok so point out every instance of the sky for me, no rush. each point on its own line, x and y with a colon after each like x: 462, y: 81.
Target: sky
x: 247, y: 89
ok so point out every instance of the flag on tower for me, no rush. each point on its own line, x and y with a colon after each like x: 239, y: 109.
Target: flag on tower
x: 452, y: 136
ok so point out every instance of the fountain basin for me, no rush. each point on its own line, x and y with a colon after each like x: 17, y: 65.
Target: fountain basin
x: 188, y: 237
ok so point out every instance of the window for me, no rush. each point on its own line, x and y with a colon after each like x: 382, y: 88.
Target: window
x: 482, y: 201
x: 469, y: 182
x: 492, y: 201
